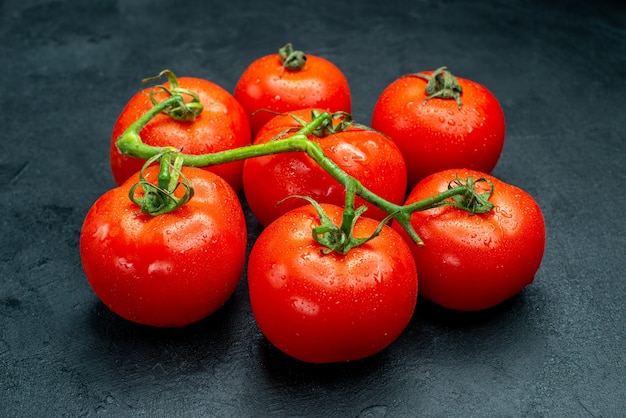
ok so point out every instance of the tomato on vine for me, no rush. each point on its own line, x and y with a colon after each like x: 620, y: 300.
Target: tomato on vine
x: 218, y: 123
x: 475, y: 261
x: 321, y: 302
x: 288, y: 81
x: 173, y: 261
x: 440, y: 121
x: 362, y: 153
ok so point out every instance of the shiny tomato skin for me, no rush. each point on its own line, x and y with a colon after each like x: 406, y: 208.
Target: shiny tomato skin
x: 223, y: 124
x: 265, y: 84
x: 324, y: 308
x: 472, y: 262
x: 368, y: 156
x: 436, y: 135
x: 168, y: 270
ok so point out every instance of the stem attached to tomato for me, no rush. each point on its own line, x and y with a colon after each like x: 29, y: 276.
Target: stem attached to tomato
x: 443, y: 85
x: 160, y: 198
x: 292, y: 60
x: 461, y: 193
x: 340, y: 239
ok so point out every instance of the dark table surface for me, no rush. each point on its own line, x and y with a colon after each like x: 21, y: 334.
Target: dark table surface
x: 558, y: 348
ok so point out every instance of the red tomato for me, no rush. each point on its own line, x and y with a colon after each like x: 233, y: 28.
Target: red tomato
x: 368, y: 156
x: 470, y: 261
x: 168, y: 270
x: 222, y: 125
x: 267, y: 84
x: 323, y: 308
x: 436, y: 134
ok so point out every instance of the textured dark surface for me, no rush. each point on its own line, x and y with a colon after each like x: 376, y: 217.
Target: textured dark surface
x: 558, y: 348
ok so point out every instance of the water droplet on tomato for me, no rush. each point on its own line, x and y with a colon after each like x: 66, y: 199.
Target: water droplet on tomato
x: 102, y: 233
x: 305, y: 306
x: 159, y: 267
x: 277, y: 276
x: 305, y: 256
x: 125, y: 264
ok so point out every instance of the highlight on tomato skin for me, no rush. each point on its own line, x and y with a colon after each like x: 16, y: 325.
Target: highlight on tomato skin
x: 326, y: 308
x: 472, y: 262
x: 168, y: 270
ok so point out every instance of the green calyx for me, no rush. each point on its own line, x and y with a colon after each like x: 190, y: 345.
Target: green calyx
x: 338, y: 122
x: 328, y: 125
x: 339, y: 238
x: 471, y: 200
x: 442, y: 85
x: 179, y: 110
x: 292, y: 60
x: 160, y: 198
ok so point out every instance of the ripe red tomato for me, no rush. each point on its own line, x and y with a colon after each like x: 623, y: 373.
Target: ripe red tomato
x: 368, y: 156
x: 168, y: 270
x: 476, y: 261
x: 267, y: 84
x: 222, y: 125
x: 323, y: 308
x: 437, y: 134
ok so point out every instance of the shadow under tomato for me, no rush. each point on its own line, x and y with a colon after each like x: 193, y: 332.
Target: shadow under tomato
x: 289, y: 371
x: 438, y: 315
x: 439, y: 333
x: 201, y: 342
x: 451, y: 317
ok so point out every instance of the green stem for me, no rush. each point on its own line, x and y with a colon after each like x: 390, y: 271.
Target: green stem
x: 130, y: 143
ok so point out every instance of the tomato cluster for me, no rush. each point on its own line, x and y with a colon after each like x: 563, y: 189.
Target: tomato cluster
x: 430, y: 132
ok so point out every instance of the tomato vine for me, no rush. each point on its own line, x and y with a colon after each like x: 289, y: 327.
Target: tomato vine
x: 461, y: 192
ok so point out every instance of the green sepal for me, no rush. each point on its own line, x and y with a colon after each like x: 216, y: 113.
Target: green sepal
x: 180, y: 110
x: 443, y: 85
x: 470, y: 201
x: 339, y: 239
x: 160, y: 199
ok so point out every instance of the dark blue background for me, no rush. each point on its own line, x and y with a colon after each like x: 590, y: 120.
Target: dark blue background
x: 558, y: 68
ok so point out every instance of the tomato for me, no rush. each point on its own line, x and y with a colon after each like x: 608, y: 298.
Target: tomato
x: 476, y: 261
x: 222, y: 125
x: 168, y: 270
x: 437, y: 134
x: 323, y: 308
x: 267, y: 84
x: 368, y: 156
